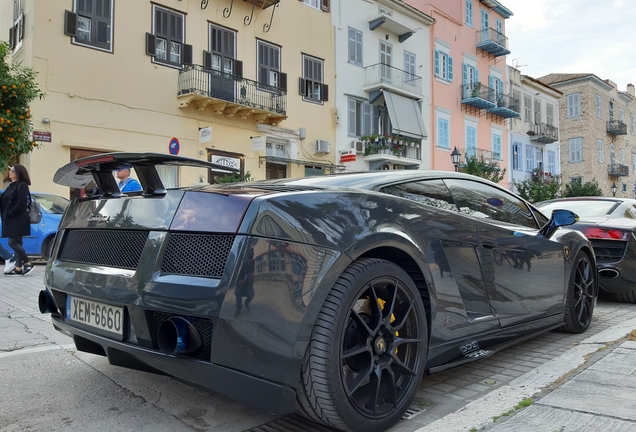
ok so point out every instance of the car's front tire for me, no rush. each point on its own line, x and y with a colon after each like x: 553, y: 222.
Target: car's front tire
x: 367, y: 350
x: 581, y: 295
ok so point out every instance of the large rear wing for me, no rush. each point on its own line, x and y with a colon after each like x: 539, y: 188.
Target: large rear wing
x: 99, y: 168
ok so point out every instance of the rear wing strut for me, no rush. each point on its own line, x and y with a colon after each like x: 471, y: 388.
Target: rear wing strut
x: 99, y: 168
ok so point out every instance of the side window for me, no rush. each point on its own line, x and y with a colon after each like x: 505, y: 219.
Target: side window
x: 166, y: 42
x: 486, y: 202
x: 91, y: 23
x: 432, y: 193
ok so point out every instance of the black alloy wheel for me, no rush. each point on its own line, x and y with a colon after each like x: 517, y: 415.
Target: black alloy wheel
x: 581, y: 295
x: 367, y: 380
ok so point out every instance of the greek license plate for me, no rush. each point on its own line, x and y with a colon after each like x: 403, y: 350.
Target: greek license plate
x: 98, y: 315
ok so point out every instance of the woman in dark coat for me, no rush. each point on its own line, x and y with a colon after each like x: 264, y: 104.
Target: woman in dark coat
x: 15, y: 217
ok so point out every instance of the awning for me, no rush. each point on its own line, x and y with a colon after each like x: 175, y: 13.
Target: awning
x: 406, y: 116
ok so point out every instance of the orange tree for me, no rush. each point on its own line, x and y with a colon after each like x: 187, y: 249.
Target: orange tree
x: 17, y: 89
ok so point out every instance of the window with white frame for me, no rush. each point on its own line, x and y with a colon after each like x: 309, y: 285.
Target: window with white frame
x: 622, y: 151
x: 574, y: 105
x: 166, y: 42
x: 631, y: 120
x: 527, y: 108
x: 311, y: 84
x: 362, y: 118
x: 599, y: 150
x: 269, y: 65
x: 471, y: 140
x: 517, y: 156
x: 469, y: 13
x: 443, y: 130
x: 538, y: 158
x: 443, y: 65
x: 575, y: 149
x: 549, y: 114
x: 16, y: 32
x: 529, y: 158
x: 621, y: 115
x: 496, y: 146
x: 91, y: 23
x: 551, y: 162
x: 599, y: 107
x: 355, y: 47
x: 612, y: 155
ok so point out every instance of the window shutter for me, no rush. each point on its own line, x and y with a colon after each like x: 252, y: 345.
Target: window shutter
x: 207, y: 59
x: 301, y: 86
x: 450, y: 68
x: 324, y: 5
x: 70, y: 23
x: 352, y: 117
x: 151, y: 42
x: 490, y: 82
x: 238, y: 68
x: 12, y: 42
x: 283, y: 81
x: 476, y: 75
x: 187, y: 55
x: 436, y: 63
x: 464, y: 74
x: 324, y: 93
x: 501, y: 87
x: 21, y: 35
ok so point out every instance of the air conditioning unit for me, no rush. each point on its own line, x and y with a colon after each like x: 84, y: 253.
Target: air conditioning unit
x: 323, y: 146
x: 358, y: 146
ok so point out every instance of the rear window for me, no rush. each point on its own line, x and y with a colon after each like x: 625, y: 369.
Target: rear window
x: 585, y: 209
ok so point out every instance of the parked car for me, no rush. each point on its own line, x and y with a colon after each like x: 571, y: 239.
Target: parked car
x: 39, y: 243
x: 610, y: 224
x: 330, y: 296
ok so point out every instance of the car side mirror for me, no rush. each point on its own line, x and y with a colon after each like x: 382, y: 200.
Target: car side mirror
x: 558, y: 219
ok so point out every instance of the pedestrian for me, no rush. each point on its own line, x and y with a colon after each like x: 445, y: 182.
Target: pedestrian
x: 126, y: 182
x: 16, y: 223
x: 9, y: 259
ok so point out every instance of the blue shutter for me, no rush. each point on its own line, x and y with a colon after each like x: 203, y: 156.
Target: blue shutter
x: 464, y: 73
x: 436, y: 63
x: 491, y: 82
x: 501, y: 88
x: 450, y: 68
x: 476, y: 75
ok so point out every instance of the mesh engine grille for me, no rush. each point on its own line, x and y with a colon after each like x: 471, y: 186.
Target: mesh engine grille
x: 104, y: 247
x: 203, y: 326
x: 608, y: 251
x: 197, y: 254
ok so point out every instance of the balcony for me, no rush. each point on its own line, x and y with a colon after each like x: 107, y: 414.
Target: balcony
x: 506, y: 107
x: 616, y: 127
x: 543, y: 133
x: 231, y: 95
x: 399, y: 150
x: 484, y: 155
x: 382, y: 76
x: 493, y: 42
x: 478, y: 96
x: 617, y: 170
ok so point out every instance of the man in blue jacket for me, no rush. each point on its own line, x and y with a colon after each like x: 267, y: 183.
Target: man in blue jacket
x: 127, y: 183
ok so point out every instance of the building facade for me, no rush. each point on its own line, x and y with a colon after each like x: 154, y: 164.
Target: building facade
x: 597, y: 131
x: 470, y: 103
x: 383, y: 85
x: 534, y: 137
x: 220, y: 81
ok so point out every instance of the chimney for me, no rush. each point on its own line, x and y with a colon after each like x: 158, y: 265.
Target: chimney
x: 630, y: 89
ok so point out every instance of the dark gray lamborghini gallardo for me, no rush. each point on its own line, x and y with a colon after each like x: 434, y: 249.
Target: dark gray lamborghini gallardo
x: 328, y: 296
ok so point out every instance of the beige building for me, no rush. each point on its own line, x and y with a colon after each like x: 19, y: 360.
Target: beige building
x: 241, y: 83
x: 596, y: 131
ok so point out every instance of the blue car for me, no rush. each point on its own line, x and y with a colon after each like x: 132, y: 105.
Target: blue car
x: 39, y: 243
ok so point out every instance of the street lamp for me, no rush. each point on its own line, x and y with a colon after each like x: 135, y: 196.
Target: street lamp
x: 614, y: 189
x: 455, y: 156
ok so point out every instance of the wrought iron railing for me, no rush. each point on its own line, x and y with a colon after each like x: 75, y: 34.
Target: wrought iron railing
x: 478, y: 90
x: 617, y: 170
x: 508, y: 102
x: 384, y: 74
x: 616, y: 127
x: 195, y: 79
x: 543, y: 132
x: 399, y: 147
x: 481, y: 155
x: 492, y: 41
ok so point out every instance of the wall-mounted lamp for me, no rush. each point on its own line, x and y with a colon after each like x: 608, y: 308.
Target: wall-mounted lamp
x: 614, y: 188
x: 46, y: 120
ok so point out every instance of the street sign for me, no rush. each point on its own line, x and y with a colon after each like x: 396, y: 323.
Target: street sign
x: 42, y: 136
x: 174, y: 146
x: 347, y: 155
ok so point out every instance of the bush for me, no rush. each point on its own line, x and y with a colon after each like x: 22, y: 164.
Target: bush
x: 234, y: 178
x: 576, y: 189
x: 17, y: 90
x: 481, y: 168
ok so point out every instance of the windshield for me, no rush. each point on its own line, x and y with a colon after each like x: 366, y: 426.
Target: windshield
x: 585, y: 209
x: 52, y: 203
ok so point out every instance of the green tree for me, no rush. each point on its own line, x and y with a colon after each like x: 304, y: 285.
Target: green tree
x: 488, y: 170
x: 234, y: 178
x: 536, y: 190
x: 17, y: 90
x: 576, y: 189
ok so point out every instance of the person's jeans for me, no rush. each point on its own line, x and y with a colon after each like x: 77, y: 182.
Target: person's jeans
x: 15, y: 243
x: 5, y: 254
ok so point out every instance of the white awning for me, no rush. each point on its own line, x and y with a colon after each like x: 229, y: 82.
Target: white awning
x: 406, y: 116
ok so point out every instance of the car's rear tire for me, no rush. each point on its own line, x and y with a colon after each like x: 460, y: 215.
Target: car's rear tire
x: 367, y: 350
x: 581, y: 295
x: 626, y: 297
x: 47, y: 247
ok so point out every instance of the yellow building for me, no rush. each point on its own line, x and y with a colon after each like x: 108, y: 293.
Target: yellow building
x: 244, y: 83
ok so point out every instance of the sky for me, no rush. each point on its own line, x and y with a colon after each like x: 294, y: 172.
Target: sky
x: 573, y: 36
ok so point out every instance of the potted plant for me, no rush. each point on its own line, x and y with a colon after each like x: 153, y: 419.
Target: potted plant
x: 475, y: 89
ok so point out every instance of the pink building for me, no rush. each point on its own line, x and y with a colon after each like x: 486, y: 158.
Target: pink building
x: 469, y: 103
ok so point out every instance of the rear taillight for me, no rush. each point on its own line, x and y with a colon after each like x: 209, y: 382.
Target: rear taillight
x: 605, y: 233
